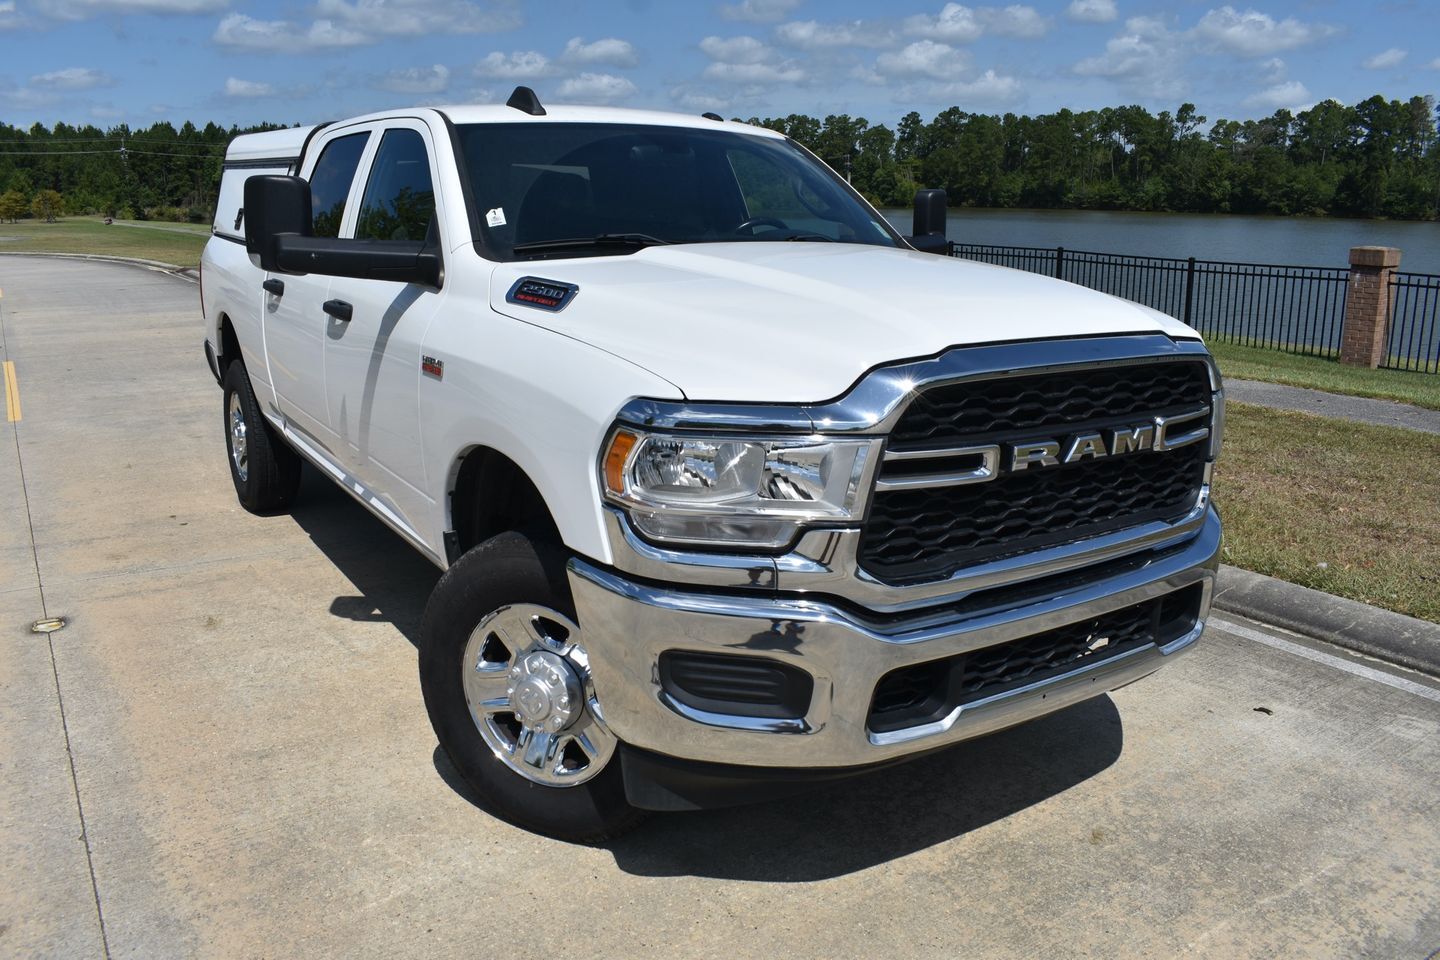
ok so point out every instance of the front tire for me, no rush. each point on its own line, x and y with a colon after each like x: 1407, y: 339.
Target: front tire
x: 265, y: 470
x: 506, y: 682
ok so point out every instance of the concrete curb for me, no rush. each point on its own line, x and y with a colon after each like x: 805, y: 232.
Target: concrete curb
x: 1346, y: 623
x: 188, y: 273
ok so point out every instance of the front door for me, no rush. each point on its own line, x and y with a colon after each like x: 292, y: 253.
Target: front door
x: 295, y: 318
x: 373, y: 360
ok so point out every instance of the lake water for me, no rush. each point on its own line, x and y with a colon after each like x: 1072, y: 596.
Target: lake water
x: 1301, y: 241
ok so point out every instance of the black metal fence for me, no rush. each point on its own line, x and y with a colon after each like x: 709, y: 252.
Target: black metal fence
x: 1298, y: 309
x: 1414, y: 322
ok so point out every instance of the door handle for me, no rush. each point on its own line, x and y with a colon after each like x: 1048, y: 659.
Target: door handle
x: 274, y: 286
x: 339, y: 309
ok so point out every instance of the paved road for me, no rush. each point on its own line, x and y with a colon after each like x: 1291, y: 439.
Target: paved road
x: 1385, y: 413
x: 224, y: 753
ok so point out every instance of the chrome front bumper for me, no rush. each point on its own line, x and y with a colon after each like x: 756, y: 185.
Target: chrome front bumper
x: 627, y: 623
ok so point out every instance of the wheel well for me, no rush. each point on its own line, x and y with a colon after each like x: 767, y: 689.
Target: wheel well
x: 491, y: 495
x: 229, y: 344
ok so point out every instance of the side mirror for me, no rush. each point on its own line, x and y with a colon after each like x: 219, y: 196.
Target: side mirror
x: 274, y: 207
x: 928, y: 230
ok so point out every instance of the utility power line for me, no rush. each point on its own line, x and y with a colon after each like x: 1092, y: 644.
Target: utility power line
x: 118, y: 151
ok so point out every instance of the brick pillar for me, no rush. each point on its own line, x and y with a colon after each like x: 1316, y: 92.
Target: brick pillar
x: 1367, y: 305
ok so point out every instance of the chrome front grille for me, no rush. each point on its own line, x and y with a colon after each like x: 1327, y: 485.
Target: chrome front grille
x: 949, y: 495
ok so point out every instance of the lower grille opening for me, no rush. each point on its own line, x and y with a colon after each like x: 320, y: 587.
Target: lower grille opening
x: 736, y: 686
x: 927, y: 692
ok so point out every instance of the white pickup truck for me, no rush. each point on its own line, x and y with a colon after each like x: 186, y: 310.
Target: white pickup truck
x: 734, y: 488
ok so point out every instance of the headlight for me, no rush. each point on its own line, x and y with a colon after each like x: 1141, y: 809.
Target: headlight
x: 733, y: 491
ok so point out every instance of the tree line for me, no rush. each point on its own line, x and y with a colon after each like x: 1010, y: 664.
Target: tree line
x: 156, y: 172
x: 1377, y: 158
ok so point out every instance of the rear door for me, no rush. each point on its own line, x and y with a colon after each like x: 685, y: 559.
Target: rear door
x: 294, y: 307
x: 373, y: 361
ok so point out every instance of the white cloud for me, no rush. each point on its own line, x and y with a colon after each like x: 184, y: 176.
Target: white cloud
x: 432, y: 79
x: 813, y: 35
x: 615, y: 53
x: 1255, y: 34
x: 1433, y: 64
x: 759, y: 73
x: 1015, y: 20
x: 736, y: 50
x: 1386, y: 59
x: 758, y: 11
x: 955, y: 23
x: 597, y: 88
x: 248, y: 89
x: 1290, y: 94
x: 413, y: 18
x: 84, y: 9
x: 924, y: 58
x: 988, y: 89
x: 342, y: 23
x: 868, y: 75
x: 700, y: 102
x: 25, y: 98
x: 1092, y: 11
x: 745, y: 60
x: 1146, y: 57
x: 520, y: 65
x: 71, y: 78
x: 283, y: 36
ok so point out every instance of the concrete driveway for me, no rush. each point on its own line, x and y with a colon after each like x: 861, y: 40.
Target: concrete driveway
x: 224, y: 752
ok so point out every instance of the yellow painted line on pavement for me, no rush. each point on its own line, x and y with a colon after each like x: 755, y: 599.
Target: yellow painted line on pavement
x: 12, y: 393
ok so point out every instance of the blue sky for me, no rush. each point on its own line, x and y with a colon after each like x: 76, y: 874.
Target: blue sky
x: 106, y: 61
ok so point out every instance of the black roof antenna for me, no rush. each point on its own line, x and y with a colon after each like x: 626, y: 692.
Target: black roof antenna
x: 524, y: 100
x: 712, y: 116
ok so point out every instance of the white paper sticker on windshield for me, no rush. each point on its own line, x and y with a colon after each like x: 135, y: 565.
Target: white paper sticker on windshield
x: 496, y: 217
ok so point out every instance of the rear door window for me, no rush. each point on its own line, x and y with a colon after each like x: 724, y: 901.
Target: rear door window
x: 330, y: 182
x: 399, y: 201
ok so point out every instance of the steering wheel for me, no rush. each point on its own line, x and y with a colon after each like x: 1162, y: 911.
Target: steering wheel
x: 753, y: 222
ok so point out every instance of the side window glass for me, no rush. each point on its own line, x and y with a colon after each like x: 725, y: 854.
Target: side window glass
x: 330, y: 182
x: 399, y: 200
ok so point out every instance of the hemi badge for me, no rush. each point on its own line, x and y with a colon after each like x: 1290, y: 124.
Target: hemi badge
x: 436, y: 368
x: 549, y: 295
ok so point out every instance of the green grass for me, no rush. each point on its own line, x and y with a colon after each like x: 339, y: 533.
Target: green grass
x: 1307, y: 499
x: 1320, y: 373
x: 176, y: 243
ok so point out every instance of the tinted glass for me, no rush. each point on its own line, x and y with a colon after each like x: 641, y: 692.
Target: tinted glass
x: 538, y: 182
x: 330, y: 182
x: 399, y: 200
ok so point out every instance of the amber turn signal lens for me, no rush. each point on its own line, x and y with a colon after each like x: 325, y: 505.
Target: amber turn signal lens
x: 620, y: 446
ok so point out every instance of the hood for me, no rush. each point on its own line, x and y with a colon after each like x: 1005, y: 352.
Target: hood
x: 801, y: 322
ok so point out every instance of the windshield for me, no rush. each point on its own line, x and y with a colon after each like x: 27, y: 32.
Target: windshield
x: 582, y: 189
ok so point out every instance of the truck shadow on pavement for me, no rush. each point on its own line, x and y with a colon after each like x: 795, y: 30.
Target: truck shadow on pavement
x: 851, y: 825
x: 833, y: 830
x: 392, y: 578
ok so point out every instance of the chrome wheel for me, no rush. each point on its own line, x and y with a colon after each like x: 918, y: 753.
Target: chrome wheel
x: 239, y: 447
x: 528, y: 687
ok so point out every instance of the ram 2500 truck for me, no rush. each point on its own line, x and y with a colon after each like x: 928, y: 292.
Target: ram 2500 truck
x: 733, y: 487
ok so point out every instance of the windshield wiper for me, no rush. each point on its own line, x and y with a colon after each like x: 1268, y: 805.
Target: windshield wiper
x: 636, y: 240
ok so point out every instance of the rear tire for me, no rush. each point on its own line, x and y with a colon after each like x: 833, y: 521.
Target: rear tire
x: 506, y: 683
x: 265, y: 470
